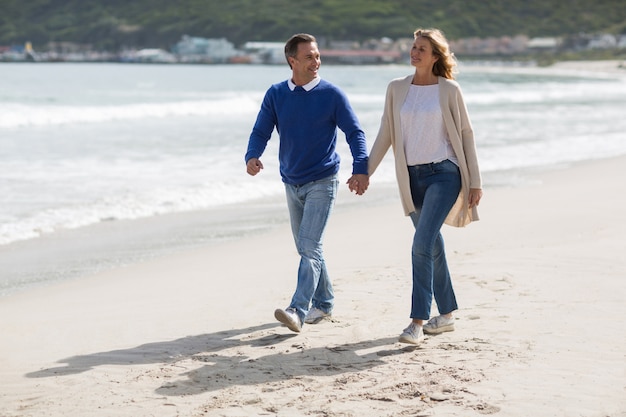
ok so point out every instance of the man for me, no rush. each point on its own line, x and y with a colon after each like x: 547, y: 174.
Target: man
x: 306, y: 112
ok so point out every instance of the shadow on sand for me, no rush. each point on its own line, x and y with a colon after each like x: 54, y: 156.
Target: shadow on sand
x: 229, y: 367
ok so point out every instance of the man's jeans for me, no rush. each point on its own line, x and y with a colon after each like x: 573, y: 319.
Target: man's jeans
x: 434, y: 188
x: 309, y: 209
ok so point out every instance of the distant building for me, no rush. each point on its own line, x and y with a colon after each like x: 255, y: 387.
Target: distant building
x: 194, y: 49
x: 544, y: 44
x: 360, y: 56
x: 504, y: 45
x: 149, y: 55
x: 373, y: 51
x: 604, y: 41
x: 14, y: 53
x: 265, y: 52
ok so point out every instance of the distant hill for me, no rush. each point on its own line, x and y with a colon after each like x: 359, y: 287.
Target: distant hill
x: 113, y: 24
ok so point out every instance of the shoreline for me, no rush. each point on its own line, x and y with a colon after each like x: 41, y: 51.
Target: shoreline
x: 612, y: 66
x: 588, y: 68
x: 540, y: 328
x: 75, y: 254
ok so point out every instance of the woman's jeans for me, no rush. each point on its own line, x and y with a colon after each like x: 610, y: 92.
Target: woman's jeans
x: 434, y: 188
x: 309, y: 209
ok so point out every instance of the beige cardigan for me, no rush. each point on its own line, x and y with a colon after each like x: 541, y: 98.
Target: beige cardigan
x: 461, y: 136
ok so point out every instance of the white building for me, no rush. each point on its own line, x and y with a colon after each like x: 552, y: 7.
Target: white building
x: 194, y: 49
x: 544, y: 43
x: 266, y: 52
x: 605, y: 41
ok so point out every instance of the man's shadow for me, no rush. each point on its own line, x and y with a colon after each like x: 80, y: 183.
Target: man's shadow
x: 223, y: 370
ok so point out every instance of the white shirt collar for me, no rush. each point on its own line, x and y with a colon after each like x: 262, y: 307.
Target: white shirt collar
x: 307, y: 87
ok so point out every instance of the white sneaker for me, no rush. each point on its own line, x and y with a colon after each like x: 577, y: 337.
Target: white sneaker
x: 289, y: 318
x: 439, y: 324
x: 315, y: 315
x: 412, y: 334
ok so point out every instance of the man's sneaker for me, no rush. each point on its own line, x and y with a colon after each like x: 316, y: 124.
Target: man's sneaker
x: 289, y: 318
x: 315, y: 315
x: 439, y: 324
x: 412, y: 334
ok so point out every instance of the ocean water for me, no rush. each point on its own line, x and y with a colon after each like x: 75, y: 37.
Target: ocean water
x: 88, y: 144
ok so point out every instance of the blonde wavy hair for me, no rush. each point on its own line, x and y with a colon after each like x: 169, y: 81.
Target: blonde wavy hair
x: 445, y: 66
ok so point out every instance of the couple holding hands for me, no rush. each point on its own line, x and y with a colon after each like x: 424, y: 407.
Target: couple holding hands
x: 426, y: 124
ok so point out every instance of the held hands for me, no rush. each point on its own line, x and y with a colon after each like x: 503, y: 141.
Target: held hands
x: 254, y: 166
x: 358, y: 183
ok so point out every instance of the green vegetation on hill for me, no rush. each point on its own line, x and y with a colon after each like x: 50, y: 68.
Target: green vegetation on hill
x: 112, y: 24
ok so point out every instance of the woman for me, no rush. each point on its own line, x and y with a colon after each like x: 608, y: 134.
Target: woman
x: 426, y: 123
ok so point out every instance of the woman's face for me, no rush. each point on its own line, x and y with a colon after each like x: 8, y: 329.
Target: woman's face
x: 422, y: 54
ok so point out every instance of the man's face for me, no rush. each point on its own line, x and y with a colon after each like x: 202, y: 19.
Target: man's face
x: 306, y: 63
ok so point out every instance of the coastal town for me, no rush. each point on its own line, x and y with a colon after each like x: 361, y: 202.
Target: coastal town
x: 198, y: 50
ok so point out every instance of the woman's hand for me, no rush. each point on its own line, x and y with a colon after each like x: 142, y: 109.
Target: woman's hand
x: 475, y: 195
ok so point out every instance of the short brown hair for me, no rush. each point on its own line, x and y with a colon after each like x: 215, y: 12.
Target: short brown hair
x: 291, y: 47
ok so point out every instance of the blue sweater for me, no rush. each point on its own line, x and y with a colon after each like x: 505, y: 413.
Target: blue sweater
x: 306, y: 122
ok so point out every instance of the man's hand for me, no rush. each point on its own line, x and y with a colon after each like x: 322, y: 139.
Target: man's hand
x: 254, y: 166
x: 358, y: 183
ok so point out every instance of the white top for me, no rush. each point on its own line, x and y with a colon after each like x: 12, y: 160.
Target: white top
x: 423, y: 131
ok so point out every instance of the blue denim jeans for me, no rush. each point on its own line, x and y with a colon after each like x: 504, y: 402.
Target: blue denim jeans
x: 310, y: 206
x: 434, y: 188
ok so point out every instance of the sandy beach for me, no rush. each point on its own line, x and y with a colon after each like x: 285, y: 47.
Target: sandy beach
x: 541, y: 329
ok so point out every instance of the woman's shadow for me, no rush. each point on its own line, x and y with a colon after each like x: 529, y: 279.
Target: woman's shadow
x: 218, y: 371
